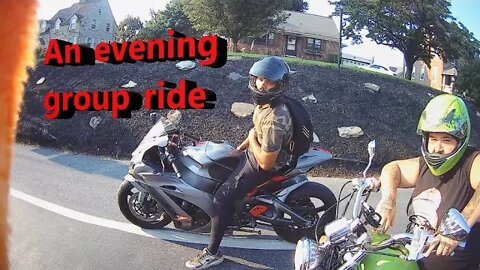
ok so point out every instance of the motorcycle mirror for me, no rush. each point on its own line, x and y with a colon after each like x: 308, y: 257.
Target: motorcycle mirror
x: 371, y: 153
x: 454, y: 225
x: 175, y: 116
x: 371, y: 148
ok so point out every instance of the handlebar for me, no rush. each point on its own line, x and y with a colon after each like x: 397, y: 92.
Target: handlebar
x: 362, y: 185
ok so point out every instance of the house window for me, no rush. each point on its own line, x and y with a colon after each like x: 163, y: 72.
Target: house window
x: 434, y: 73
x: 57, y: 24
x: 89, y: 40
x: 413, y: 73
x: 314, y: 45
x: 108, y: 27
x: 422, y: 73
x: 267, y: 39
x: 94, y: 24
x: 100, y: 11
x: 43, y: 27
x: 73, y: 23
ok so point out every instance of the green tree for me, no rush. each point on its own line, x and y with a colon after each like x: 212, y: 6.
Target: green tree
x: 154, y: 28
x: 172, y: 17
x: 468, y: 80
x: 176, y: 19
x: 235, y: 19
x: 128, y: 28
x: 419, y: 29
x: 296, y: 5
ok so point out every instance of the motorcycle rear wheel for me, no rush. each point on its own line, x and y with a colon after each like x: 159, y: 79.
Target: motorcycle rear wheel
x: 135, y: 212
x: 300, y: 200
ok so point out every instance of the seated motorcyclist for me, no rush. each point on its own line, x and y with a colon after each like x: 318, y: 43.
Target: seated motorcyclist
x: 447, y: 176
x: 267, y: 145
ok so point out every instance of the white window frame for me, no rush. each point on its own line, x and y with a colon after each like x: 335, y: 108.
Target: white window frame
x: 107, y: 27
x: 43, y: 27
x: 413, y: 73
x: 73, y: 23
x: 57, y: 24
x: 93, y: 26
x: 422, y: 73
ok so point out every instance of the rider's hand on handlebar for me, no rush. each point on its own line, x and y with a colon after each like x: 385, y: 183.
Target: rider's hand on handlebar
x: 387, y: 209
x: 445, y: 246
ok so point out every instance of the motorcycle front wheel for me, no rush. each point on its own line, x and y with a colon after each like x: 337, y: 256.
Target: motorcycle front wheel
x: 146, y: 213
x: 313, y: 201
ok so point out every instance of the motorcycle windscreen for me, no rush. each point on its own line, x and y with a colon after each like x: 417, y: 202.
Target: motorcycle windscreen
x: 156, y: 136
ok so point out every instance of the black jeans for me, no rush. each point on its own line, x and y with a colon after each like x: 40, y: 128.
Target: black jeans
x: 246, y: 177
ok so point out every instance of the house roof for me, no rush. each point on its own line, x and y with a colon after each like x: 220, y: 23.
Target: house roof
x: 80, y: 9
x: 452, y: 71
x: 310, y: 25
x: 356, y: 58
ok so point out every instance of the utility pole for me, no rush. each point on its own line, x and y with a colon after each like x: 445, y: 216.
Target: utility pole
x: 339, y: 60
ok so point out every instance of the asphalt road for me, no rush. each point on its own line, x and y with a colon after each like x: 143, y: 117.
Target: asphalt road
x: 64, y: 215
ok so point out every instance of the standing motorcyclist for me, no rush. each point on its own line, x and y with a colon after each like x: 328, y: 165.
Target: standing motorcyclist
x: 267, y: 143
x: 447, y: 176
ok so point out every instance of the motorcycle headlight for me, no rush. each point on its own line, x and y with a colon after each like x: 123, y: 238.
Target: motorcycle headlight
x: 307, y: 254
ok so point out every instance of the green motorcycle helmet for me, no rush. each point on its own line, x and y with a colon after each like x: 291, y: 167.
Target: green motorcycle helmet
x: 444, y: 113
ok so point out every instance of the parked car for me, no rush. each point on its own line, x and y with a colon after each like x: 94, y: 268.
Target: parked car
x: 378, y: 68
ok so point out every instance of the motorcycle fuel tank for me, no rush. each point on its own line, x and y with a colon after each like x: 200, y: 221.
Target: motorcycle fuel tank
x: 384, y: 262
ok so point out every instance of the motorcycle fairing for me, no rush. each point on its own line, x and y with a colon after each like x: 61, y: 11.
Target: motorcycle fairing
x: 155, y: 136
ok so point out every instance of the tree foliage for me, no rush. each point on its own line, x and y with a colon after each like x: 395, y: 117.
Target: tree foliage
x: 172, y: 17
x: 128, y: 28
x: 175, y: 18
x: 468, y: 80
x: 154, y: 28
x: 419, y: 29
x: 296, y: 5
x: 235, y: 19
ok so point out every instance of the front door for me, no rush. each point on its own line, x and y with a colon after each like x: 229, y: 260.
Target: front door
x: 291, y: 46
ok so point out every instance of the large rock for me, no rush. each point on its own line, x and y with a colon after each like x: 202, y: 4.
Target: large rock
x: 350, y: 132
x: 241, y: 109
x: 310, y: 98
x: 185, y: 65
x: 372, y: 87
x: 41, y: 80
x: 235, y: 76
x: 94, y: 121
x: 130, y: 84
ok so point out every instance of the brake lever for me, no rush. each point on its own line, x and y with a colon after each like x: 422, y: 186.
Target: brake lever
x: 373, y: 218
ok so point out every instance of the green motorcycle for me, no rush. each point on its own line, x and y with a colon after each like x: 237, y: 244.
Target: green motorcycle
x: 346, y: 243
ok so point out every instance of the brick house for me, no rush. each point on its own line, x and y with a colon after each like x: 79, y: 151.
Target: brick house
x: 86, y: 22
x: 303, y: 35
x: 440, y: 75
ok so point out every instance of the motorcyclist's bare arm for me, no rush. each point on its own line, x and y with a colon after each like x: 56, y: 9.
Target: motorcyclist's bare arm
x: 472, y: 211
x: 266, y: 160
x: 399, y: 174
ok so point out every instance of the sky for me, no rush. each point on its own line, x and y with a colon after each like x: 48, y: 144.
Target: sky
x: 463, y: 10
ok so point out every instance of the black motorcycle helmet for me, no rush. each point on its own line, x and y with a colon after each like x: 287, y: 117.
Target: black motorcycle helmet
x: 272, y: 68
